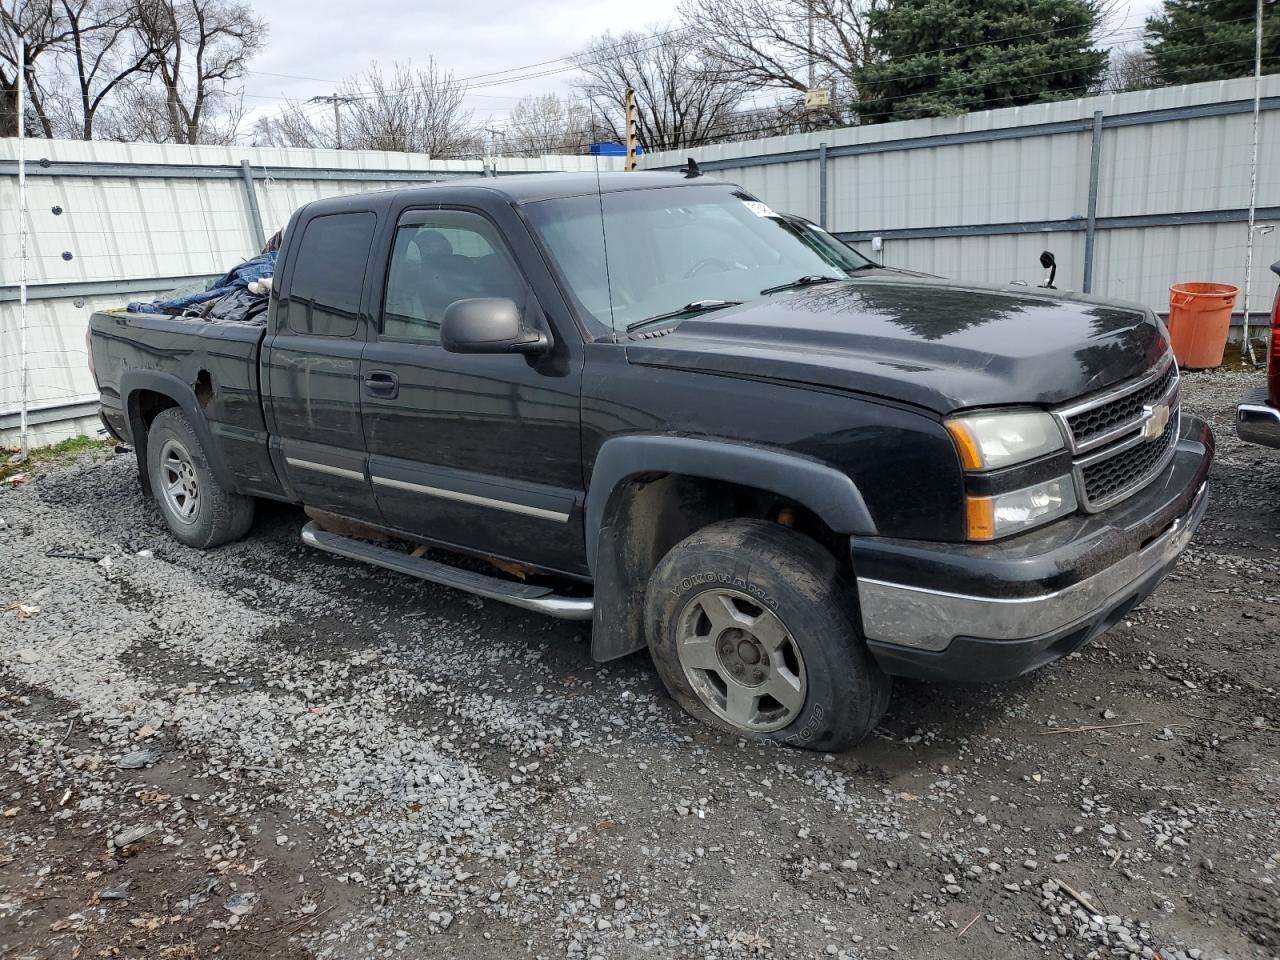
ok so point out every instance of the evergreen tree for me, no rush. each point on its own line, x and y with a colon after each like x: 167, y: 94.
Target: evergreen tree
x: 1196, y: 40
x: 947, y: 57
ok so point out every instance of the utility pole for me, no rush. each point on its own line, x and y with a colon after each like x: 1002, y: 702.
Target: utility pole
x: 493, y: 133
x: 1253, y: 183
x: 631, y: 129
x: 24, y: 442
x: 815, y: 99
x: 337, y: 100
x: 812, y: 64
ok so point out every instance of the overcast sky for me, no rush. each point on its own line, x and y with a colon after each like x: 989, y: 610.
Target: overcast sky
x: 314, y: 44
x: 326, y: 40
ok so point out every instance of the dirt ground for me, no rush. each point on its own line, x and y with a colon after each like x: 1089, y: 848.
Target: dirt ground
x: 262, y: 751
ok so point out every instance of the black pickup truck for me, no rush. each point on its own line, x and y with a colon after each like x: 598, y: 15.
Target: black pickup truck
x: 649, y: 401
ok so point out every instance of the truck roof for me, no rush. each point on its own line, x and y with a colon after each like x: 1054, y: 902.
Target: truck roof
x: 531, y: 187
x: 526, y: 187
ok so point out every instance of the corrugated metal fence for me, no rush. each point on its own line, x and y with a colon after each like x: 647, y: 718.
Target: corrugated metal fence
x: 114, y: 222
x: 1131, y: 192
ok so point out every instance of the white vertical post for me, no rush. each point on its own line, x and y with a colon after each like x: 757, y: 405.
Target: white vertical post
x: 1253, y: 179
x: 24, y: 440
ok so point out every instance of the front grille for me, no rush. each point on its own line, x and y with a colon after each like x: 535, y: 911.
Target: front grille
x: 1089, y: 424
x: 1114, y: 458
x: 1106, y: 480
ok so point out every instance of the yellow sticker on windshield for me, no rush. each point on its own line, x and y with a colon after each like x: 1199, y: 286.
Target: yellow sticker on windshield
x: 758, y: 208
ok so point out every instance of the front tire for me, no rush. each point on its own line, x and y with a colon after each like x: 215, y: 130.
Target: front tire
x: 197, y: 509
x: 753, y: 629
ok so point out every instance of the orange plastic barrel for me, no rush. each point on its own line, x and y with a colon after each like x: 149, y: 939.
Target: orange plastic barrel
x: 1199, y: 320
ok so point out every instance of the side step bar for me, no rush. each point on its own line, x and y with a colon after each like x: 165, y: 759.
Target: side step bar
x: 523, y: 595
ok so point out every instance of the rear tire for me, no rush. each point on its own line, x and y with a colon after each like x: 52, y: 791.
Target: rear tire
x: 753, y: 629
x: 197, y: 509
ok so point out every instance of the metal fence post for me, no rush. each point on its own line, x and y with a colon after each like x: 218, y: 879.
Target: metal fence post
x: 822, y: 185
x: 251, y: 196
x: 1091, y: 228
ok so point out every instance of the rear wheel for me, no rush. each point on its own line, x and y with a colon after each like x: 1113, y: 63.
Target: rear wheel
x: 753, y: 629
x: 197, y: 509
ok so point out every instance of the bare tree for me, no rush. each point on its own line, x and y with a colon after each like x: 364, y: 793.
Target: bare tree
x: 544, y: 124
x: 774, y: 43
x: 680, y: 103
x: 414, y: 111
x: 297, y: 125
x: 1129, y: 68
x: 787, y: 115
x: 136, y: 114
x: 198, y: 48
x: 39, y: 23
x: 103, y: 52
x: 140, y: 114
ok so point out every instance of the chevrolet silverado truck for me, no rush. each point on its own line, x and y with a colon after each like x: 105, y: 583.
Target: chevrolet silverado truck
x: 649, y: 401
x: 1258, y: 414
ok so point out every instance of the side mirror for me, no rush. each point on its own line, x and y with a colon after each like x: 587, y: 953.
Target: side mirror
x: 1049, y: 263
x: 488, y: 325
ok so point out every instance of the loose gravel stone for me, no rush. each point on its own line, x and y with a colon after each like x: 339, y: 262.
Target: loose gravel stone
x: 365, y: 766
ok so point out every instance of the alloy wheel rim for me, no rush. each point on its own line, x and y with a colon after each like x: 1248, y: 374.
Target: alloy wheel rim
x: 741, y: 661
x: 180, y: 485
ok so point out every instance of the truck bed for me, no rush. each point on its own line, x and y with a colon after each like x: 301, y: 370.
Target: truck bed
x: 217, y: 361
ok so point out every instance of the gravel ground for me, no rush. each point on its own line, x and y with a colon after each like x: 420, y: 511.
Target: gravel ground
x: 266, y: 751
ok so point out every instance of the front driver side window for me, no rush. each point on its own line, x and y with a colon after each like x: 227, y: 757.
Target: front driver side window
x: 439, y: 257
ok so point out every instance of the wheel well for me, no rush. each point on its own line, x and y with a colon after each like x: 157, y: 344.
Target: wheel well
x: 675, y: 505
x: 648, y: 515
x: 144, y: 407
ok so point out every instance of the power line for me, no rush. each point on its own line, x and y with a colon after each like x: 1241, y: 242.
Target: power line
x: 507, y: 75
x: 780, y: 127
x: 571, y: 60
x: 642, y: 45
x: 658, y: 40
x: 623, y: 42
x: 1014, y: 79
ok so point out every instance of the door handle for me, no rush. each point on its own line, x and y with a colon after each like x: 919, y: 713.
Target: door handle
x: 382, y: 383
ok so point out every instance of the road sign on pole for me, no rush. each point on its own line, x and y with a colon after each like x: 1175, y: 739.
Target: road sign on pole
x: 817, y: 98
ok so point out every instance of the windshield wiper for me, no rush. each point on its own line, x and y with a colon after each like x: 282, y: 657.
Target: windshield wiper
x: 697, y: 306
x: 806, y: 281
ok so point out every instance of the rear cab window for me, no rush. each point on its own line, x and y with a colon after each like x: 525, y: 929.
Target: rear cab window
x: 324, y: 292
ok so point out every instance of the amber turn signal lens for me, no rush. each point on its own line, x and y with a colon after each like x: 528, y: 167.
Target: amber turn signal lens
x: 966, y: 443
x: 980, y: 513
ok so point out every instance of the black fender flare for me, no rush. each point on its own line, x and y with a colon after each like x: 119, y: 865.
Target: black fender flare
x: 620, y: 580
x: 828, y: 492
x: 183, y: 394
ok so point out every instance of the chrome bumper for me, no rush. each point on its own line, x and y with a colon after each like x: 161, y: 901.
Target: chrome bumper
x: 906, y: 616
x: 1257, y: 421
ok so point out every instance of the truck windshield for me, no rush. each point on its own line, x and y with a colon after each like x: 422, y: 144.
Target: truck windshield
x: 647, y: 255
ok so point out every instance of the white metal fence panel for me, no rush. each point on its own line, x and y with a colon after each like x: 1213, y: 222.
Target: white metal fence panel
x: 976, y: 197
x: 131, y: 221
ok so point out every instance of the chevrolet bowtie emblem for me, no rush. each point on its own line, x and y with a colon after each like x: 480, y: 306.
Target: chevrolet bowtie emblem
x: 1156, y: 419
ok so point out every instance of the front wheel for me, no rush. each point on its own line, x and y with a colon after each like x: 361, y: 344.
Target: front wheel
x: 753, y: 629
x: 197, y: 509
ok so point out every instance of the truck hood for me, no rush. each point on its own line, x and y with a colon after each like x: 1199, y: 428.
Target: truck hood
x: 932, y: 343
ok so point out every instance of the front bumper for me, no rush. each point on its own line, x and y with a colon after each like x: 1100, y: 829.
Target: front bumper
x: 991, y: 612
x: 1257, y: 421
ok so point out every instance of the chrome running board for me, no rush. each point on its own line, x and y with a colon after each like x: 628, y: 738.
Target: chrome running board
x: 523, y: 595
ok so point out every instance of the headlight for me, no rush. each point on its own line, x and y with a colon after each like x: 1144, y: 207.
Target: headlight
x: 988, y: 441
x: 990, y: 518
